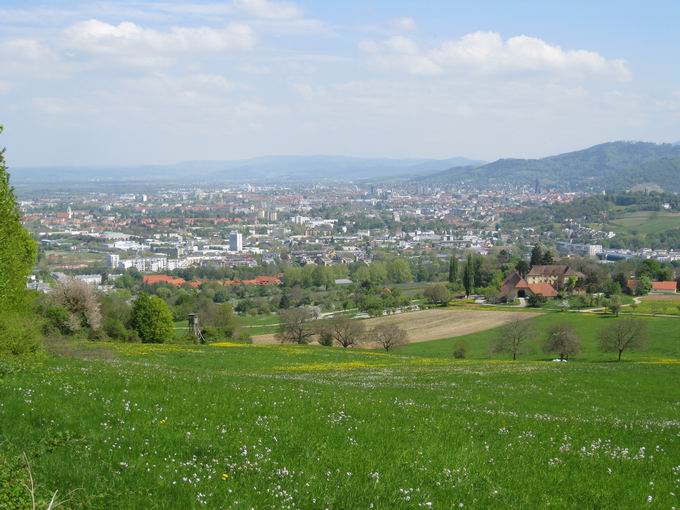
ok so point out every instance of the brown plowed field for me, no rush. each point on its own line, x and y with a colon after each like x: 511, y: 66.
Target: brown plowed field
x: 437, y: 323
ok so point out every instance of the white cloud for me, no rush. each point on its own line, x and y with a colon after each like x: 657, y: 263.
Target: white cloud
x: 488, y: 53
x: 402, y: 54
x: 267, y: 9
x: 406, y: 24
x: 5, y: 87
x: 94, y: 36
x: 26, y: 48
x: 61, y: 106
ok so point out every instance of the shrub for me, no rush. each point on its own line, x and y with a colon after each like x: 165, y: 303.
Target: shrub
x: 115, y: 329
x: 20, y: 336
x: 437, y: 294
x: 536, y: 301
x: 79, y: 300
x: 459, y: 351
x: 58, y: 321
x: 326, y: 338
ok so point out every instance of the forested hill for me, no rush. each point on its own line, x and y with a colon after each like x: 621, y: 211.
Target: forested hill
x: 614, y: 166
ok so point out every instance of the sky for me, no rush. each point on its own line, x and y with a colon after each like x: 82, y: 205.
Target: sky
x: 144, y: 82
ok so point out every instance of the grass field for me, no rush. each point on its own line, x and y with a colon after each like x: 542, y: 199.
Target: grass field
x: 646, y: 222
x: 260, y: 324
x: 668, y: 304
x: 664, y: 339
x: 131, y: 426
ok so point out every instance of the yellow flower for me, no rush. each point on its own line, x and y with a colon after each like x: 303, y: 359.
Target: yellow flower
x: 224, y: 476
x: 162, y: 422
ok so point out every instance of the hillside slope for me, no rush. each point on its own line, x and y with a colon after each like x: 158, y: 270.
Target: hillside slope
x: 613, y: 166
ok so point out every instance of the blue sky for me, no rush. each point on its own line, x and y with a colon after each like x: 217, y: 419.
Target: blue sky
x: 130, y: 82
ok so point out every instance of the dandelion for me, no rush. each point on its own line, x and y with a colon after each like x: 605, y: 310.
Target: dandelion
x: 225, y: 476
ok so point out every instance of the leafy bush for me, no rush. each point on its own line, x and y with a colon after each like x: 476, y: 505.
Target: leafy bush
x: 152, y: 319
x: 326, y: 338
x: 58, y: 321
x: 115, y: 329
x: 536, y: 301
x: 20, y: 336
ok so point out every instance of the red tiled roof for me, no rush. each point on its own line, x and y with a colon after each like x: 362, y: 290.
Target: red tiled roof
x: 152, y: 279
x: 258, y: 280
x: 542, y: 289
x: 522, y: 284
x: 665, y: 286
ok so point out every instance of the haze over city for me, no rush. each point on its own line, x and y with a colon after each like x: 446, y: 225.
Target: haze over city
x: 132, y: 82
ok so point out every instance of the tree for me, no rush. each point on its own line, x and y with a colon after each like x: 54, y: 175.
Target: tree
x: 477, y: 265
x: 536, y: 256
x: 378, y: 273
x: 522, y: 267
x: 570, y: 284
x: 389, y: 335
x: 453, y: 269
x: 345, y: 331
x: 513, y: 336
x: 547, y: 258
x: 152, y: 319
x: 623, y: 334
x: 614, y: 305
x: 373, y: 305
x: 399, y: 270
x: 562, y: 340
x: 437, y: 294
x: 649, y: 268
x: 79, y: 299
x: 469, y: 276
x: 362, y: 275
x: 295, y: 326
x: 17, y: 249
x: 322, y: 276
x: 217, y: 321
x: 644, y: 285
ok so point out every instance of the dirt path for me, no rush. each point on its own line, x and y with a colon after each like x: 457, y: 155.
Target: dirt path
x: 437, y: 323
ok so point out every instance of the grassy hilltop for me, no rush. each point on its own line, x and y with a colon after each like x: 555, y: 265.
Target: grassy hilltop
x: 243, y: 426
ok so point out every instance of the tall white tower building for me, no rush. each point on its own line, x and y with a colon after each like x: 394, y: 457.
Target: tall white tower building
x: 235, y: 241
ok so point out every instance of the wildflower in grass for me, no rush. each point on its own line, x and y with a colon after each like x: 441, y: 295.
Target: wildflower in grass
x: 375, y: 476
x: 225, y: 476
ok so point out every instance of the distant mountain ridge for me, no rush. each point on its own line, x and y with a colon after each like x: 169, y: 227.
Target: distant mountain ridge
x: 266, y: 168
x: 612, y: 166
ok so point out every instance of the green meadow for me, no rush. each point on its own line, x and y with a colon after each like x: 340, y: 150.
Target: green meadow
x: 663, y: 339
x: 646, y: 222
x: 236, y: 426
x: 259, y: 324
